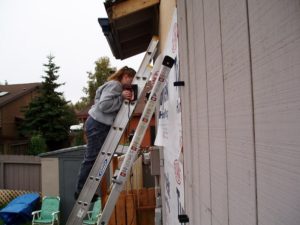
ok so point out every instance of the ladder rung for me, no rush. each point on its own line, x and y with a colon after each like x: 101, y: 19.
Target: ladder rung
x: 94, y: 178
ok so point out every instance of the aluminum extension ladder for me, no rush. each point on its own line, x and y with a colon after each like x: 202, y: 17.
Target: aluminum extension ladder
x: 136, y: 141
x: 112, y: 140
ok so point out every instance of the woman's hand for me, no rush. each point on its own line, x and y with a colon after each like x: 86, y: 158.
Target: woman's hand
x: 126, y: 94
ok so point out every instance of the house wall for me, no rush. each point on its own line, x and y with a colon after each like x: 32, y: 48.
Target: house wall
x: 10, y: 112
x: 9, y: 137
x: 240, y: 110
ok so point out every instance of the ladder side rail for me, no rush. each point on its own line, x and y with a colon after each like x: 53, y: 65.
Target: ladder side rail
x: 152, y: 48
x: 82, y: 204
x: 136, y: 141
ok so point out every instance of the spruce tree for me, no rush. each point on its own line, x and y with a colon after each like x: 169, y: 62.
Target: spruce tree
x: 49, y: 113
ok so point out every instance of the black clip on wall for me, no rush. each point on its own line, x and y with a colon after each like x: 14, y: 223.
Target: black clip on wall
x: 183, y: 218
x: 178, y: 83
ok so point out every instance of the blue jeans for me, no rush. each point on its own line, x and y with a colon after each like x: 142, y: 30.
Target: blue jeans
x: 96, y: 133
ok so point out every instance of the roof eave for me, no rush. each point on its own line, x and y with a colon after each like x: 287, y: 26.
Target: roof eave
x: 130, y: 26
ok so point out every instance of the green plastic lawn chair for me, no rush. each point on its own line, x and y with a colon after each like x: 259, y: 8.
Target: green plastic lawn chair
x: 92, y: 216
x: 49, y: 211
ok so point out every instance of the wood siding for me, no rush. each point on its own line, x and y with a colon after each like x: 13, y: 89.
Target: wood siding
x: 20, y: 172
x: 275, y: 48
x: 12, y: 111
x: 10, y: 140
x: 241, y: 110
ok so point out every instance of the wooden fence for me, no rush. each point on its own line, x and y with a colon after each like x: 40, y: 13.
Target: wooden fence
x: 15, y: 148
x: 7, y: 195
x: 135, y: 207
x: 19, y: 173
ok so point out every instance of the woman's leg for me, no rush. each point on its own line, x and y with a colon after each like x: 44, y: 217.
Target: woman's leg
x: 96, y: 134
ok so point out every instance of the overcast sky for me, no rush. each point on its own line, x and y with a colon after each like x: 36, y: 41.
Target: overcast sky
x: 68, y: 29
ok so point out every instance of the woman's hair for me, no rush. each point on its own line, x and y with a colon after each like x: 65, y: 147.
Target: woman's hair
x: 120, y: 73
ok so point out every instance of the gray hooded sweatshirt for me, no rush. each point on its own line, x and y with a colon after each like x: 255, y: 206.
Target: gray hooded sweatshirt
x: 108, y: 100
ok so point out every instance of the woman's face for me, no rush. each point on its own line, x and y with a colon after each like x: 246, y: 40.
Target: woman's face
x: 126, y: 79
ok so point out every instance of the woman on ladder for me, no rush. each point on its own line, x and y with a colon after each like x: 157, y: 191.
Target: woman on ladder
x: 108, y: 100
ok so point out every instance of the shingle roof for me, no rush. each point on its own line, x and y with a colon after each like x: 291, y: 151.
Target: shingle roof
x: 16, y: 91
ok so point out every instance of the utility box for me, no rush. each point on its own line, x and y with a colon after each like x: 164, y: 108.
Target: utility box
x: 155, y: 162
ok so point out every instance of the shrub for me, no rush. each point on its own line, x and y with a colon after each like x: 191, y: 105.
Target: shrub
x: 37, y: 144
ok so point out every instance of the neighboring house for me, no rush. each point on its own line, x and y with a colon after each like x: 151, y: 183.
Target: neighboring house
x: 82, y: 115
x: 13, y: 98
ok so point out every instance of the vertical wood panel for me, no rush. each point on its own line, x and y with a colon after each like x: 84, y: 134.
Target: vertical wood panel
x: 120, y: 209
x: 195, y: 176
x: 238, y: 109
x: 22, y: 177
x: 200, y: 134
x: 198, y: 114
x: 186, y: 107
x: 1, y: 175
x: 21, y: 172
x: 131, y: 209
x: 217, y: 143
x: 275, y: 43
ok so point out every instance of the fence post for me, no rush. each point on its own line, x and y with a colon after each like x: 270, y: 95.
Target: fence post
x: 1, y: 174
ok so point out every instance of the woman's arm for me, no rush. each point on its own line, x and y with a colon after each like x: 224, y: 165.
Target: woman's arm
x: 111, y: 97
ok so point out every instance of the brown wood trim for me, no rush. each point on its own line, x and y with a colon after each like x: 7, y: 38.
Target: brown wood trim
x: 127, y: 7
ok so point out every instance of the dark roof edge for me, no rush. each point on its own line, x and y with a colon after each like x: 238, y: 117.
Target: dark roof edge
x: 107, y: 31
x: 64, y: 150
